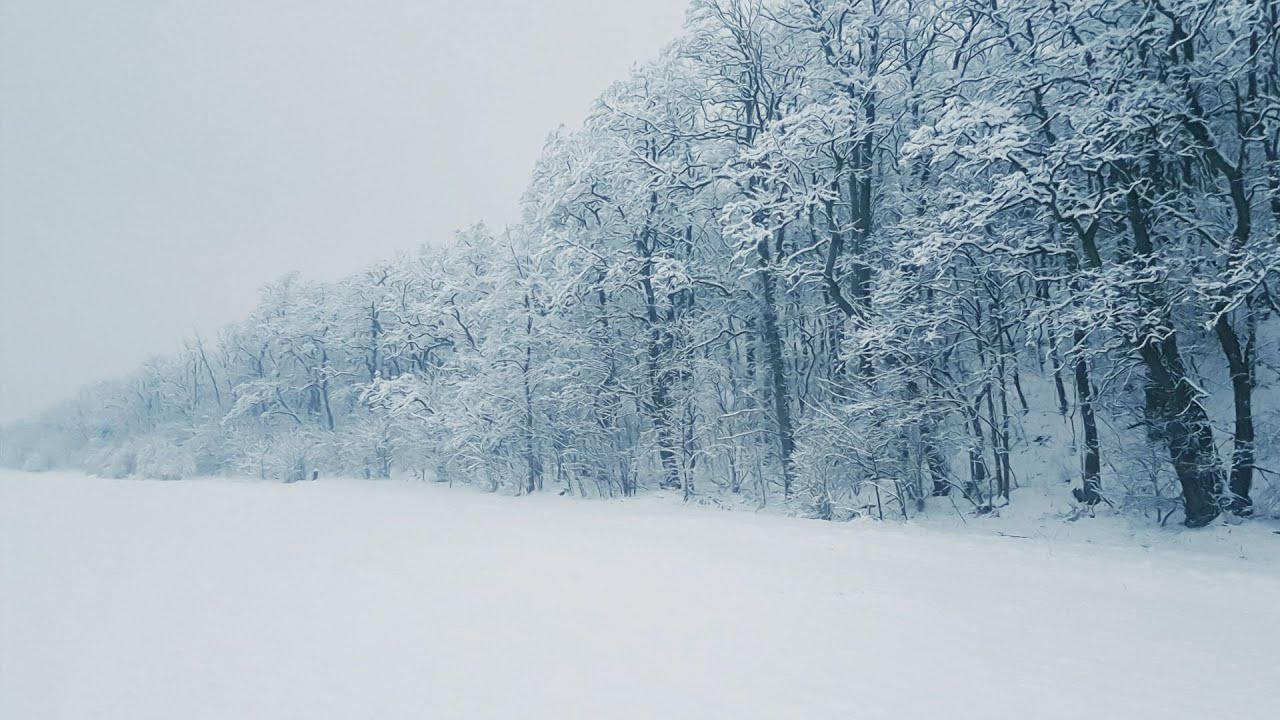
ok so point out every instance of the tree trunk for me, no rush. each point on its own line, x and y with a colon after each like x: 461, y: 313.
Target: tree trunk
x: 533, y: 463
x: 1239, y: 356
x: 1240, y: 362
x: 659, y: 344
x: 1173, y: 402
x: 1090, y: 491
x: 776, y: 370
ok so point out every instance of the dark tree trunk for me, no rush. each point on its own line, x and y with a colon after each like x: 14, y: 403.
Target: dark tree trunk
x: 533, y: 462
x: 1173, y: 403
x: 659, y: 346
x: 1090, y: 491
x: 776, y: 369
x: 977, y: 461
x: 1239, y: 355
x: 939, y: 472
x: 1240, y: 362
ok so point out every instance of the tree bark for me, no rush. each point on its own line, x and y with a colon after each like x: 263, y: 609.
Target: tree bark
x: 1092, y: 485
x: 776, y: 369
x: 1173, y: 402
x: 659, y: 345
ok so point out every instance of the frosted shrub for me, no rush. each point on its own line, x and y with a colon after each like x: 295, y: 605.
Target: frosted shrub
x: 158, y: 458
x: 255, y: 459
x: 111, y: 460
x: 289, y: 457
x: 367, y: 447
x: 37, y: 462
x: 212, y: 450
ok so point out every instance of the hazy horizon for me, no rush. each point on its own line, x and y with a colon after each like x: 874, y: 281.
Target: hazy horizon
x: 158, y: 164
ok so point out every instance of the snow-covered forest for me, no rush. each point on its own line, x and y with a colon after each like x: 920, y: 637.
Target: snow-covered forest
x: 850, y: 256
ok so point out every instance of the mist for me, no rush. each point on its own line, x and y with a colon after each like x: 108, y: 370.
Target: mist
x: 160, y: 161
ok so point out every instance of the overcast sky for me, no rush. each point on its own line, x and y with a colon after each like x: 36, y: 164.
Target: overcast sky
x: 159, y: 161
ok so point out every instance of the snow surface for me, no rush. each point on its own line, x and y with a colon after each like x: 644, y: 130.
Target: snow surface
x: 340, y: 599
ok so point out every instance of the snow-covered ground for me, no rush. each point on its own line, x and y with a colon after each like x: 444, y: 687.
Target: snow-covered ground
x: 337, y: 599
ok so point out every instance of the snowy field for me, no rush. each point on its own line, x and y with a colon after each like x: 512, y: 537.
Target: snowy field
x: 220, y: 599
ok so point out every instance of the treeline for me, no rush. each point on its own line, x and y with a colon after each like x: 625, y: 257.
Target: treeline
x: 848, y: 254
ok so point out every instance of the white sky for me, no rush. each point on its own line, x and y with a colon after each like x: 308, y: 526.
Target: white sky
x: 159, y: 161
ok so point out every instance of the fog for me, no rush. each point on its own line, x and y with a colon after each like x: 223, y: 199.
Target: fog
x: 160, y: 161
